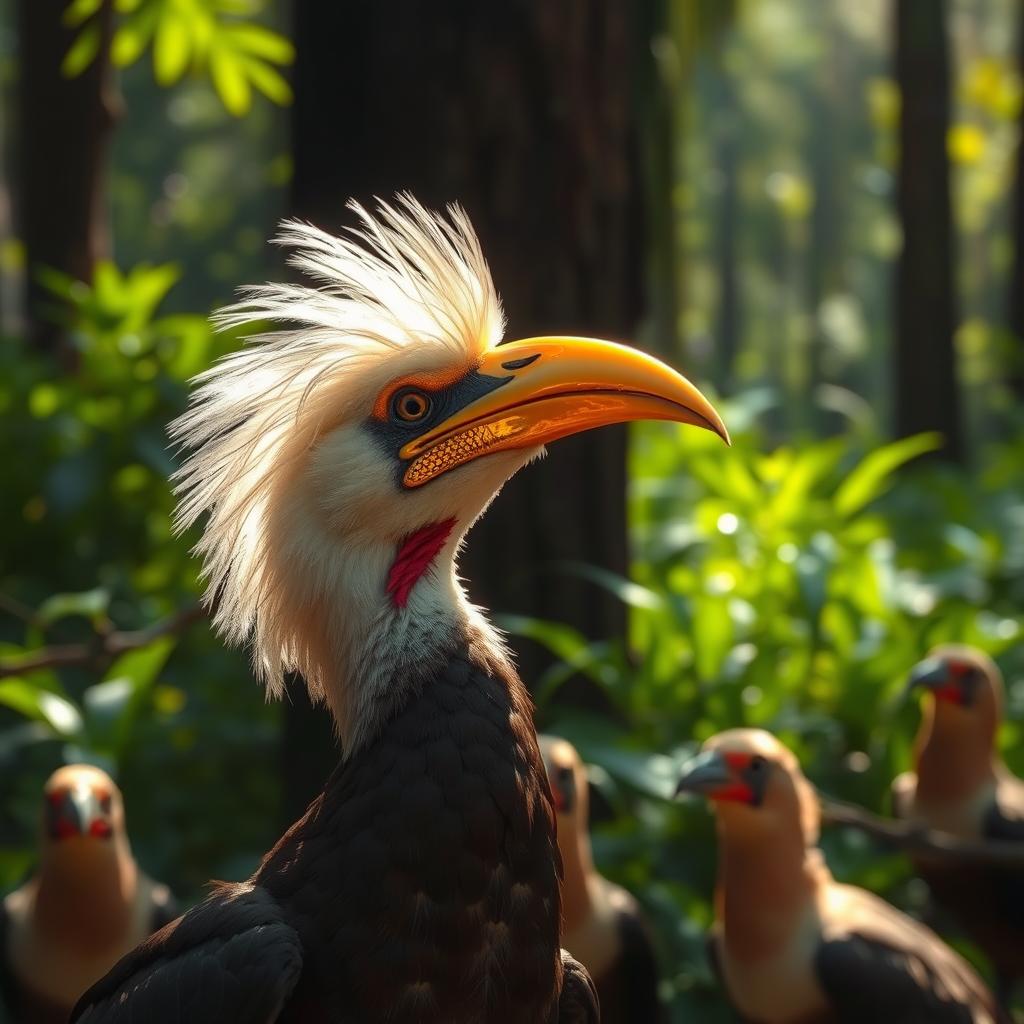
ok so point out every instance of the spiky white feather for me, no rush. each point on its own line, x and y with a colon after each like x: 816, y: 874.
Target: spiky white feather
x: 407, y: 283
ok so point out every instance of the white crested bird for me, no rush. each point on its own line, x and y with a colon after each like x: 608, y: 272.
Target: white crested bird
x: 791, y: 945
x: 602, y: 925
x: 340, y: 462
x: 86, y: 904
x: 961, y: 785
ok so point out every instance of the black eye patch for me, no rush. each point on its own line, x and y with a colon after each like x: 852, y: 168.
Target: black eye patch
x: 394, y: 432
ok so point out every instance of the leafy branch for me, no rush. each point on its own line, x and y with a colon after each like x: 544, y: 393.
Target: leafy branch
x: 104, y: 648
x: 205, y: 36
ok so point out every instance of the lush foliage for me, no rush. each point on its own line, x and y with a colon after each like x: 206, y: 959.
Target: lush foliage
x: 789, y: 589
x: 217, y: 37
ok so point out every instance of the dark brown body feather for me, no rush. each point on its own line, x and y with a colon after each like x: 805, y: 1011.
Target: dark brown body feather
x: 421, y: 887
x: 987, y: 901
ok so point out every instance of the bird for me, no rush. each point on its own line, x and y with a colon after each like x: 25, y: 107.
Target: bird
x: 791, y: 945
x: 339, y: 459
x: 86, y: 904
x: 603, y: 927
x: 961, y: 786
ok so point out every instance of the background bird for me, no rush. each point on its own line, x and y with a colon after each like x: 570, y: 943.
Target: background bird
x: 960, y: 785
x: 790, y: 944
x: 86, y: 905
x: 341, y: 463
x: 602, y: 924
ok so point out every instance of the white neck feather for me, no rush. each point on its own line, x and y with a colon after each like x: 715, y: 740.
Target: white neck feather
x: 370, y: 655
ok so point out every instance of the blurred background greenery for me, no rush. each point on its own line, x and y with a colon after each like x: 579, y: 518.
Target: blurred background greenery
x: 754, y: 188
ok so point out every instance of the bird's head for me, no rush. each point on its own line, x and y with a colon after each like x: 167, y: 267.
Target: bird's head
x: 568, y: 780
x: 966, y: 688
x: 342, y: 460
x: 83, y: 813
x: 756, y: 785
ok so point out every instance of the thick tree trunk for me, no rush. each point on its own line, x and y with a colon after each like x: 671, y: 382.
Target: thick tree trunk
x: 1016, y: 298
x: 64, y: 126
x: 521, y: 111
x: 925, y: 394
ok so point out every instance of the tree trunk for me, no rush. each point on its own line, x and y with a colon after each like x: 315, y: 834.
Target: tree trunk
x: 1016, y: 303
x: 925, y: 394
x: 521, y: 111
x: 64, y: 127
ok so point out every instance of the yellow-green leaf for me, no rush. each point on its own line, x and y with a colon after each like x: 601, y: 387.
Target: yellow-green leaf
x: 871, y: 476
x: 171, y: 47
x: 258, y: 41
x: 82, y: 51
x: 79, y: 11
x: 268, y: 81
x: 230, y: 81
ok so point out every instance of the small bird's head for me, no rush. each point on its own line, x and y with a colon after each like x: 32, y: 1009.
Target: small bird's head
x: 568, y: 780
x: 352, y: 451
x: 966, y: 687
x: 82, y: 808
x: 756, y: 785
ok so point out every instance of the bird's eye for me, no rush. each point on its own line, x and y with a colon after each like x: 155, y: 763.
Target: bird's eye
x: 757, y: 763
x: 410, y: 405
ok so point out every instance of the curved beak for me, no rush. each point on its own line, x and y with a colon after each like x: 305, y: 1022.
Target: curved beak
x: 706, y: 773
x: 934, y: 674
x: 551, y: 388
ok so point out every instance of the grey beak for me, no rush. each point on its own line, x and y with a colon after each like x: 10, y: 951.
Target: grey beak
x: 931, y: 673
x: 704, y: 772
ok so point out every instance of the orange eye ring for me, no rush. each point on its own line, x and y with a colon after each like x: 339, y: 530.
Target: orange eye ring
x: 411, y: 405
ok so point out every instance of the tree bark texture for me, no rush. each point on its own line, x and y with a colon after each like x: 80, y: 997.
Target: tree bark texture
x: 521, y: 112
x: 925, y: 393
x: 63, y: 132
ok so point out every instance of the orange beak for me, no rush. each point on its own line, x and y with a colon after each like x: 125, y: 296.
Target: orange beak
x: 556, y: 387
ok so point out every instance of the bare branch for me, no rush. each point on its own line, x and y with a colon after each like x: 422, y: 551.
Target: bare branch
x: 104, y: 648
x: 917, y: 839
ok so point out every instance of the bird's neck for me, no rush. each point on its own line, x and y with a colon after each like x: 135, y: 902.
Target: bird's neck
x: 388, y: 618
x: 766, y: 891
x: 953, y: 762
x: 579, y: 876
x: 85, y: 896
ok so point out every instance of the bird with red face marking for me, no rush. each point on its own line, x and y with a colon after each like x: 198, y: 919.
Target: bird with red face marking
x: 960, y: 785
x: 791, y: 945
x: 602, y: 925
x: 340, y: 462
x: 85, y: 906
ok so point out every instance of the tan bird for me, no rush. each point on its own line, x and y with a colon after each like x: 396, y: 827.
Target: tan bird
x: 790, y: 944
x: 602, y: 924
x: 87, y: 904
x: 962, y: 786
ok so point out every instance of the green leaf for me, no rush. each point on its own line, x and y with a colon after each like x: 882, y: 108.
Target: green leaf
x: 90, y: 604
x: 870, y: 477
x: 114, y: 704
x: 41, y: 705
x: 268, y: 81
x: 171, y: 49
x: 628, y: 592
x: 79, y: 11
x: 258, y: 41
x: 132, y: 37
x: 229, y: 79
x: 81, y: 52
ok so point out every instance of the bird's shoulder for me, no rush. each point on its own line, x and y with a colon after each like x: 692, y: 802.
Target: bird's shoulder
x: 875, y: 960
x: 1004, y: 819
x: 231, y: 957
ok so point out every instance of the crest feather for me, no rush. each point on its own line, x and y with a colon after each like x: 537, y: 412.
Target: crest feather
x: 404, y: 279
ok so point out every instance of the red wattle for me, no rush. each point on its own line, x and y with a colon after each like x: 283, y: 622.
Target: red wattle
x: 415, y: 554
